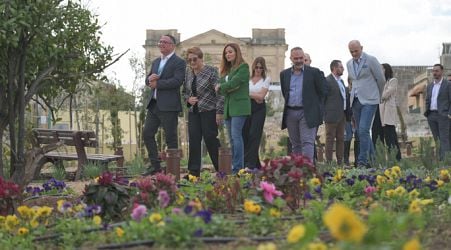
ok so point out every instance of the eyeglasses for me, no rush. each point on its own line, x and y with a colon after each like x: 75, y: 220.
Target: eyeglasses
x: 164, y: 42
x: 259, y: 67
x: 193, y: 59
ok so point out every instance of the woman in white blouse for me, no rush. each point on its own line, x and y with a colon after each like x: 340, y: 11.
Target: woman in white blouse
x: 253, y: 128
x: 388, y: 110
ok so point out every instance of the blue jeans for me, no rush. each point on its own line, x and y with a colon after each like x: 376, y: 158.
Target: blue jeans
x: 364, y: 115
x: 235, y: 128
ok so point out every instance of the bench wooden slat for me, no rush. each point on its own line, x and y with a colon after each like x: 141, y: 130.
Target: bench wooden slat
x: 77, y: 139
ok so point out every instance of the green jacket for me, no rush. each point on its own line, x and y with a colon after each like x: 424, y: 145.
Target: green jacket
x: 236, y: 92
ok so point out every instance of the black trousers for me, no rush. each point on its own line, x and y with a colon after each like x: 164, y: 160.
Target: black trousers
x: 202, y: 125
x: 155, y: 118
x: 391, y: 139
x: 252, y: 134
x: 377, y: 132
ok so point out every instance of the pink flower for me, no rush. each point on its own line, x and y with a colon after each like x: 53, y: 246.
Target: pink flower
x: 369, y: 190
x: 269, y: 190
x: 139, y: 212
x: 163, y: 198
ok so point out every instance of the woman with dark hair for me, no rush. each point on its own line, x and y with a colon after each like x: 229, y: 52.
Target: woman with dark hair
x: 205, y: 109
x: 253, y: 128
x: 388, y: 110
x: 234, y: 86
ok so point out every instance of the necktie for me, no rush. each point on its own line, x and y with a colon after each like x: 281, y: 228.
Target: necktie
x: 356, y: 66
x: 194, y: 93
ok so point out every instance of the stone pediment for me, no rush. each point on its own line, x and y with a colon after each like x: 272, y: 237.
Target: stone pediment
x: 212, y: 37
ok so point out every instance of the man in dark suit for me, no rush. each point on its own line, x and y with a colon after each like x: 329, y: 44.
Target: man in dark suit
x: 438, y: 111
x: 303, y: 88
x: 165, y: 78
x: 335, y: 112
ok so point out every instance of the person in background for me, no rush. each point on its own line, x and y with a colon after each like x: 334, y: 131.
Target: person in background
x: 368, y: 81
x: 253, y: 128
x: 234, y: 86
x: 335, y: 112
x: 350, y: 130
x: 438, y: 113
x: 205, y: 109
x: 165, y: 79
x: 303, y: 89
x: 307, y: 59
x: 388, y: 112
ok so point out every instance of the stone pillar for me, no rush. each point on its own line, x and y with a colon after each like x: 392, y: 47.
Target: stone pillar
x: 225, y: 160
x: 173, y: 162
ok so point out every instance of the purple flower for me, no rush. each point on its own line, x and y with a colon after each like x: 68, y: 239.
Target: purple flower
x: 205, y: 215
x: 188, y: 209
x: 163, y: 198
x: 318, y: 189
x: 139, y: 212
x: 198, y: 233
x: 350, y: 182
x: 369, y: 190
x: 308, y: 196
x: 176, y: 210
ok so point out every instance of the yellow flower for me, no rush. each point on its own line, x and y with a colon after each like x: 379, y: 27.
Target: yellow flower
x: 317, y: 246
x: 34, y: 223
x: 274, y: 212
x: 396, y: 169
x: 387, y: 173
x: 97, y: 220
x: 161, y: 224
x: 444, y: 175
x: 267, y: 246
x: 192, y: 178
x: 415, y: 207
x: 24, y: 212
x: 428, y: 179
x: 11, y: 221
x: 251, y: 207
x: 381, y: 179
x: 296, y: 233
x: 426, y: 202
x: 2, y: 220
x: 119, y: 232
x: 413, y: 194
x: 400, y: 190
x: 44, y: 211
x: 315, y: 182
x: 180, y: 198
x: 412, y: 244
x: 155, y: 217
x: 390, y: 192
x: 344, y: 224
x: 338, y: 175
x: 440, y: 183
x: 22, y: 231
x: 196, y: 204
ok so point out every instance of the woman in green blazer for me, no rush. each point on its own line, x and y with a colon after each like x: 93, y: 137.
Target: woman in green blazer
x: 234, y: 86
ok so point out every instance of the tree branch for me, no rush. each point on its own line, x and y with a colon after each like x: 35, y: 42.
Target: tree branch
x: 35, y: 85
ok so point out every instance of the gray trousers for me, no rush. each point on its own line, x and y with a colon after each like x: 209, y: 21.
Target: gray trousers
x: 301, y: 136
x: 439, y: 125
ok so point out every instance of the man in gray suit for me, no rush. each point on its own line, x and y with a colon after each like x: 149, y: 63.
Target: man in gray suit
x: 368, y: 82
x: 303, y: 88
x: 335, y: 112
x: 165, y: 78
x: 438, y: 111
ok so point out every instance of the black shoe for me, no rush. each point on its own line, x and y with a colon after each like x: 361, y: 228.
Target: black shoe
x: 152, y: 171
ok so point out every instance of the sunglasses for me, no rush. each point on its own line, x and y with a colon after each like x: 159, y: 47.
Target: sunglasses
x: 259, y: 67
x: 194, y: 59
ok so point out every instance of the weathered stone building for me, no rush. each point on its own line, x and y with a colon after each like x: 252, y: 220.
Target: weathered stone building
x: 269, y: 43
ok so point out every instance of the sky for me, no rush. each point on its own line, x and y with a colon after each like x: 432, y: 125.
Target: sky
x: 398, y: 32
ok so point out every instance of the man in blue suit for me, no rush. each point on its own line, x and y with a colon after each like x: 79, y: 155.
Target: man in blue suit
x: 303, y: 88
x: 165, y: 78
x: 368, y: 82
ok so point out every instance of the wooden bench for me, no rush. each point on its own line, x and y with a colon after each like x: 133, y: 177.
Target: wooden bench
x: 78, y: 139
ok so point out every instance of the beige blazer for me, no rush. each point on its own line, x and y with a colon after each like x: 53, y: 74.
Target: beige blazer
x: 388, y: 104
